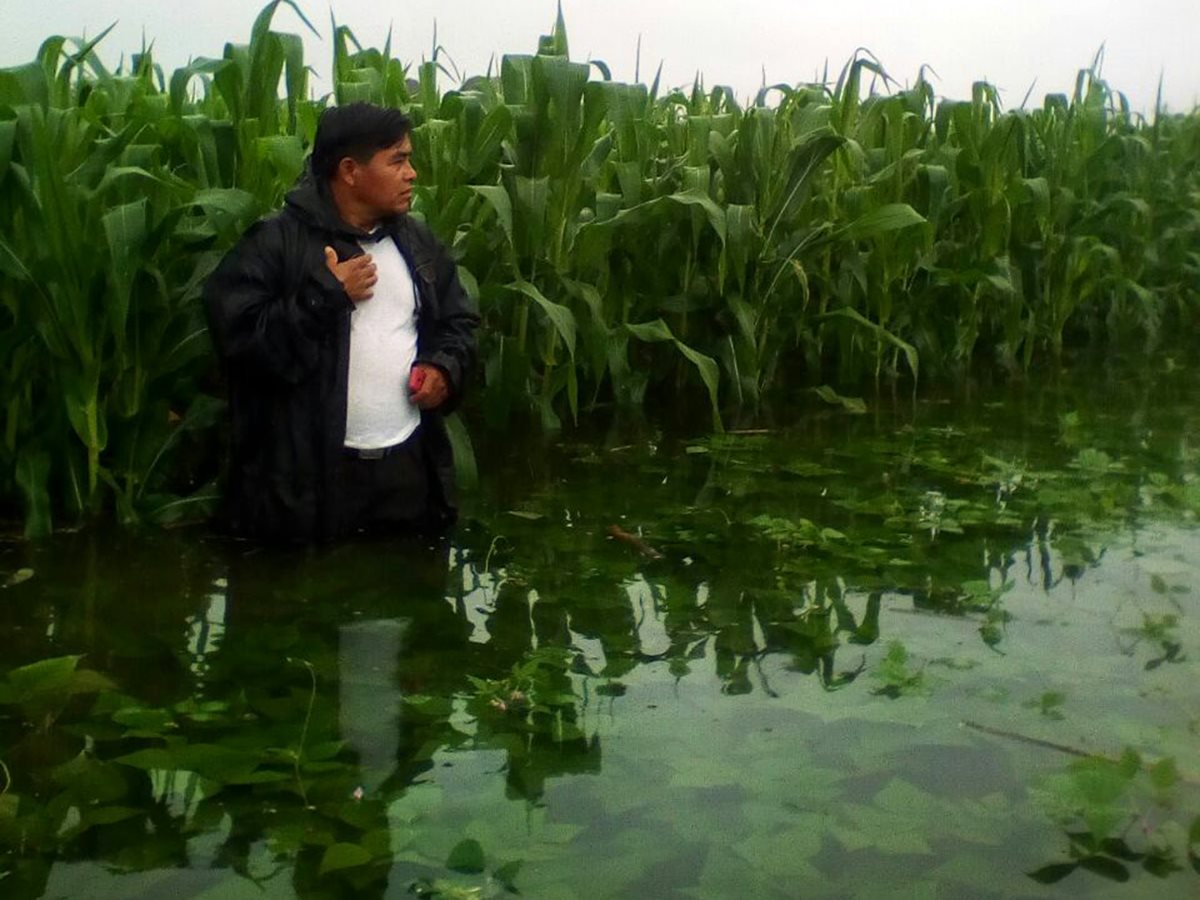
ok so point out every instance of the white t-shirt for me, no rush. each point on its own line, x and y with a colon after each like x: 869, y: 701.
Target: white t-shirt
x: 383, y: 348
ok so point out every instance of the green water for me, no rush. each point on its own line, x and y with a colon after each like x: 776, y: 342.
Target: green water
x: 945, y: 648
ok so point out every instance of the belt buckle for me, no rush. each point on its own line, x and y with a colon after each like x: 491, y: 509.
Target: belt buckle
x: 373, y: 453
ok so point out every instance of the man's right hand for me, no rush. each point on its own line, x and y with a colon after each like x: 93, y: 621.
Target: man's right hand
x: 357, y: 275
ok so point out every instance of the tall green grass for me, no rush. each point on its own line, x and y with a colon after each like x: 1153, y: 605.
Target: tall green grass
x: 626, y: 243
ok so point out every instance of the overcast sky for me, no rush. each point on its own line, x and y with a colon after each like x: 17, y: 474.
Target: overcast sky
x: 1013, y: 44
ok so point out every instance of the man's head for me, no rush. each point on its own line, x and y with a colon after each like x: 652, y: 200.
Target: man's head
x: 363, y: 152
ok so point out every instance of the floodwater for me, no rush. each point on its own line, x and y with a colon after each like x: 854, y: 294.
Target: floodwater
x: 945, y: 648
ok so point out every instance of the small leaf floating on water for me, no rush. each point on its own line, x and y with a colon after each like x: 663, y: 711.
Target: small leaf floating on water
x: 343, y: 856
x: 854, y: 405
x: 17, y: 577
x: 466, y: 856
x: 1053, y: 873
x: 1106, y: 867
x: 523, y: 514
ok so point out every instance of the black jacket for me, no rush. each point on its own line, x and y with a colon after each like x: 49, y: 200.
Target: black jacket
x: 280, y: 320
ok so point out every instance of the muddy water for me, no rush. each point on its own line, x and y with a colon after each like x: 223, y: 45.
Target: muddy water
x: 947, y: 647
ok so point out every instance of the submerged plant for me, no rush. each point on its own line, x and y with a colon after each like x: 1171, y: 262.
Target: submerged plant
x: 298, y: 753
x: 42, y: 689
x: 1048, y: 704
x: 1118, y: 813
x: 896, y: 677
x: 537, y: 691
x: 1161, y: 630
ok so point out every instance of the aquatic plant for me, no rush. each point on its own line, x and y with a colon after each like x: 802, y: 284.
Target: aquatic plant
x: 1117, y: 813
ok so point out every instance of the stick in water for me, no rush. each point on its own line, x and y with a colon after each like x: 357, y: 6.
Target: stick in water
x: 634, y: 541
x: 1037, y: 742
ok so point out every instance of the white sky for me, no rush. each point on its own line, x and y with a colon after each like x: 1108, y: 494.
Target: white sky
x: 1012, y: 44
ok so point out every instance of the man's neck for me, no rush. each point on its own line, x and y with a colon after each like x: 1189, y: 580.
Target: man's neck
x: 352, y: 213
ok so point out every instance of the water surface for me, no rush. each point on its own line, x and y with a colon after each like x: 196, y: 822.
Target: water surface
x: 943, y: 648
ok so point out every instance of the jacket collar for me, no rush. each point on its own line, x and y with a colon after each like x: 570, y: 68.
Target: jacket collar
x: 311, y: 201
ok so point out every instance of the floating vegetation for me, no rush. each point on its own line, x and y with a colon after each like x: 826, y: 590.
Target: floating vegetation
x: 1118, y: 814
x: 803, y: 681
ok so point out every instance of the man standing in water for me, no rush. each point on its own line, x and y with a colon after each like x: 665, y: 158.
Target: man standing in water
x: 347, y: 337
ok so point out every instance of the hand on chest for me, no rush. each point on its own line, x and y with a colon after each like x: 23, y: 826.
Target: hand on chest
x: 392, y: 307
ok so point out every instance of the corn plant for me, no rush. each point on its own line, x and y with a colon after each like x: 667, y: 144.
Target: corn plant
x: 116, y: 192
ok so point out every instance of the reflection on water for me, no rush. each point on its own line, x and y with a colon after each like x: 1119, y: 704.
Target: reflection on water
x: 902, y: 649
x: 369, y: 697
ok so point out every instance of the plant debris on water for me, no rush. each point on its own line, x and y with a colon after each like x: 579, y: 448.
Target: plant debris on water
x: 480, y: 719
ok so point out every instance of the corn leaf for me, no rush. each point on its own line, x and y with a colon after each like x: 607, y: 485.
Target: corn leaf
x: 657, y: 331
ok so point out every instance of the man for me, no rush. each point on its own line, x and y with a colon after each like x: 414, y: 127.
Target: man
x: 347, y: 337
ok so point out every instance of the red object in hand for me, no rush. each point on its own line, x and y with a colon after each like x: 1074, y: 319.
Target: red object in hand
x: 416, y: 378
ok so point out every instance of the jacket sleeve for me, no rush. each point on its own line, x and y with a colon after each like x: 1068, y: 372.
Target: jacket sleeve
x: 452, y: 346
x: 265, y: 315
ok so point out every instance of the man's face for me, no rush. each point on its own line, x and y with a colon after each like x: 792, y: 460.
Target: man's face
x: 384, y: 184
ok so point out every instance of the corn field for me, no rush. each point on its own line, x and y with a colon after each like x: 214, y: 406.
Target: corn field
x: 627, y: 244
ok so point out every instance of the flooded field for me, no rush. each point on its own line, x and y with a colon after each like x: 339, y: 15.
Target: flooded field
x: 944, y: 647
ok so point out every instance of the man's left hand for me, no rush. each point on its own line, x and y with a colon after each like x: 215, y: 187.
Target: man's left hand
x: 432, y: 390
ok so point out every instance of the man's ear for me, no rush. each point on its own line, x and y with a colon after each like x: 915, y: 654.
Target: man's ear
x: 347, y: 171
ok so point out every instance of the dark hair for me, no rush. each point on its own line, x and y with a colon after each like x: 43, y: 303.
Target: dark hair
x: 357, y: 130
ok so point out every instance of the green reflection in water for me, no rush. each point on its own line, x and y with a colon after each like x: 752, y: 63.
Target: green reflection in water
x: 940, y: 647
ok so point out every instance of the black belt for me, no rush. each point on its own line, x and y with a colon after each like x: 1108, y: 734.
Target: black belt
x: 372, y: 452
